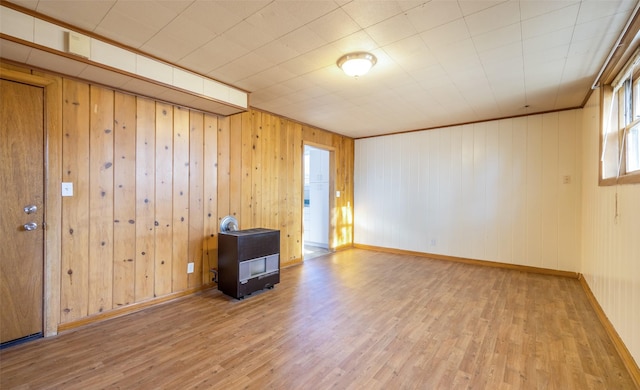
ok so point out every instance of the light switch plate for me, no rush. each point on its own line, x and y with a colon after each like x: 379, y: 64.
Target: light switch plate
x: 67, y: 189
x: 190, y: 268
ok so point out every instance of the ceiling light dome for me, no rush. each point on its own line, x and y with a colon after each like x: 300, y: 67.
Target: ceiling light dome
x: 356, y: 64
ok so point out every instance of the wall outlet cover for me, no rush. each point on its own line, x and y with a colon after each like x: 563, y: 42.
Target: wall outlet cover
x: 67, y: 189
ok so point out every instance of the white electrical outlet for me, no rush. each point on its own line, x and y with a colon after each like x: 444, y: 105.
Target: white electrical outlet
x: 190, y: 268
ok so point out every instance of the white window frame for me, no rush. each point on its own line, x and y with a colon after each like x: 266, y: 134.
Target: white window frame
x: 620, y: 127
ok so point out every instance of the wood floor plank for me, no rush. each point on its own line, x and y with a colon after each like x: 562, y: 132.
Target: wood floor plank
x: 353, y: 319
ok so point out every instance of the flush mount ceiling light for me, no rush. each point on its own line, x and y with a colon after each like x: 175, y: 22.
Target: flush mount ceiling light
x: 356, y: 64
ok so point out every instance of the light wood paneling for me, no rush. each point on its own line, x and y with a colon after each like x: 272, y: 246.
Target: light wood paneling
x: 235, y: 166
x: 268, y: 174
x: 74, y: 289
x: 196, y: 192
x: 283, y: 162
x: 268, y: 151
x: 342, y: 235
x: 294, y: 175
x: 489, y: 191
x: 246, y: 204
x: 180, y: 198
x: 53, y: 213
x: 163, y: 222
x: 145, y: 199
x: 223, y: 168
x: 210, y: 171
x: 101, y: 200
x: 256, y: 171
x: 124, y: 200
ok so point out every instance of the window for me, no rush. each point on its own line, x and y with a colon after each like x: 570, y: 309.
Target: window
x: 620, y: 159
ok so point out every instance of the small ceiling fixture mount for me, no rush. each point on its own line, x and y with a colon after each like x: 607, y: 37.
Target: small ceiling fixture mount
x: 357, y: 64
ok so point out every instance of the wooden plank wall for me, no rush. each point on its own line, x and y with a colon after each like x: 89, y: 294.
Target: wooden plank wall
x: 137, y: 215
x: 265, y: 178
x: 151, y: 183
x: 74, y: 294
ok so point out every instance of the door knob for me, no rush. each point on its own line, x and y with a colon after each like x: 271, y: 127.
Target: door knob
x: 30, y: 226
x: 32, y: 208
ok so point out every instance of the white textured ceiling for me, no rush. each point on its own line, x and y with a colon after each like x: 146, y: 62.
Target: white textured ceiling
x: 440, y: 62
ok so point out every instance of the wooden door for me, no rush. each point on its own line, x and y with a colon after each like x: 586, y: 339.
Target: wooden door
x: 21, y: 210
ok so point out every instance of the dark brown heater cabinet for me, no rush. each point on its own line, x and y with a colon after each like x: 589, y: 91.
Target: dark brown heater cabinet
x: 248, y: 261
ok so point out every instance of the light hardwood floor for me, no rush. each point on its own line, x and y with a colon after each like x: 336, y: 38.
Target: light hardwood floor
x: 355, y: 319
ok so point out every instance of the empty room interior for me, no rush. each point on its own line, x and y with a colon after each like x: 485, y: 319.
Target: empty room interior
x: 351, y: 194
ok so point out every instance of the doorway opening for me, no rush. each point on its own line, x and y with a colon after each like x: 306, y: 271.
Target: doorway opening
x: 316, y: 208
